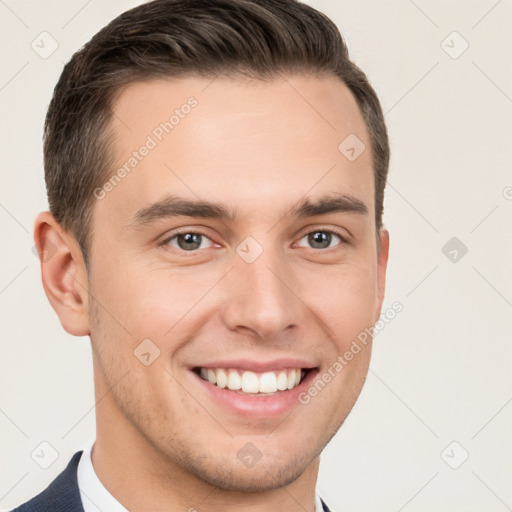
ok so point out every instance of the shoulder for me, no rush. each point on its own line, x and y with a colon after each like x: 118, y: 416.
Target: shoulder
x: 62, y: 495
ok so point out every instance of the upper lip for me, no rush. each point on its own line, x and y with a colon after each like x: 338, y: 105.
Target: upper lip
x: 259, y: 366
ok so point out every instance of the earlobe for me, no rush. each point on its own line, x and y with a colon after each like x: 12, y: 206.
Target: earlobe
x: 63, y: 273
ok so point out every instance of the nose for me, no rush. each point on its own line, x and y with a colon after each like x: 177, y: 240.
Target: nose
x: 261, y: 297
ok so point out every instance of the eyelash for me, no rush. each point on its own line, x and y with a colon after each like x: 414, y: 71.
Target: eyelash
x: 343, y: 239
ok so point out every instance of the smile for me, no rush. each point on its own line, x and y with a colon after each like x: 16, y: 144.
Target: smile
x: 255, y: 389
x: 249, y: 382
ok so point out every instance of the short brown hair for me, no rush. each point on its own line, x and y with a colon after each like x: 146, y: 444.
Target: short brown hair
x: 174, y: 38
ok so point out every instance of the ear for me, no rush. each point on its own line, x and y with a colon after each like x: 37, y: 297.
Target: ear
x: 64, y: 274
x: 382, y: 264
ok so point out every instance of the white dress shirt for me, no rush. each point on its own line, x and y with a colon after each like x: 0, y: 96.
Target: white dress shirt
x: 95, y: 498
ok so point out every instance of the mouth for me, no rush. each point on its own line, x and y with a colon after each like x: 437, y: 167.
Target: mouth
x: 257, y: 396
x: 259, y: 384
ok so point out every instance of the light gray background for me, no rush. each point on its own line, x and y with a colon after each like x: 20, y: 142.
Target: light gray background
x: 440, y: 371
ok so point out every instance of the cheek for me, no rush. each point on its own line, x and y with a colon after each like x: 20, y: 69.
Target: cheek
x: 345, y: 302
x: 159, y: 301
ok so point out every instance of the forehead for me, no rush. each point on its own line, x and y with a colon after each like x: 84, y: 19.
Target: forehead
x: 249, y: 144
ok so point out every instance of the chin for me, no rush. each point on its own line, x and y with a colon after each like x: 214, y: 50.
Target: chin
x: 263, y: 476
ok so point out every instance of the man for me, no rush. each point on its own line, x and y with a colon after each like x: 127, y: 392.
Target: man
x: 215, y: 174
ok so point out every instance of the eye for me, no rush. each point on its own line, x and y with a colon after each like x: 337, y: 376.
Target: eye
x: 321, y: 239
x: 188, y: 241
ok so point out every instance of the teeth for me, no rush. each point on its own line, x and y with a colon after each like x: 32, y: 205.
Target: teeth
x: 212, y: 377
x: 268, y: 383
x: 251, y: 382
x: 282, y: 381
x: 290, y: 382
x: 234, y: 380
x: 222, y: 378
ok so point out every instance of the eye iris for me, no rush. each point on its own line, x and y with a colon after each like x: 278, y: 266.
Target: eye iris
x: 321, y: 238
x: 189, y: 241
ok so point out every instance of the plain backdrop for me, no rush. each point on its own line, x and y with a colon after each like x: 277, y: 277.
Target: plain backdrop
x: 431, y: 429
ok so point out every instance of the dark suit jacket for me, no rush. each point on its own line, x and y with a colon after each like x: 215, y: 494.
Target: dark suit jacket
x: 63, y: 495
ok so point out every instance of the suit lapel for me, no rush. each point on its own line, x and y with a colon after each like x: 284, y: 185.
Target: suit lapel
x: 324, y: 506
x: 62, y: 495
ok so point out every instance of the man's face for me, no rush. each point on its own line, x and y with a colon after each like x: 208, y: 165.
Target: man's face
x: 273, y: 288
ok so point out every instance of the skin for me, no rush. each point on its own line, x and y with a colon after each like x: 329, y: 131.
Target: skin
x: 259, y: 148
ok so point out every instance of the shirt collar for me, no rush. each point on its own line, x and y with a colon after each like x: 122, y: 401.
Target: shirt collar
x: 95, y: 497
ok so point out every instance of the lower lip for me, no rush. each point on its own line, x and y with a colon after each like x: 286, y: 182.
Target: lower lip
x: 251, y: 406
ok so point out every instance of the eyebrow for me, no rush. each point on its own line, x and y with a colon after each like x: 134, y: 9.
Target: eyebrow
x: 174, y: 206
